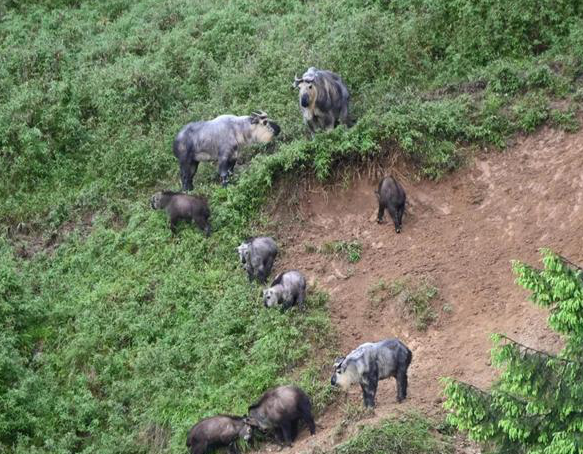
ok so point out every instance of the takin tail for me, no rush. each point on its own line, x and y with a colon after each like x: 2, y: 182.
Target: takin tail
x: 409, y: 357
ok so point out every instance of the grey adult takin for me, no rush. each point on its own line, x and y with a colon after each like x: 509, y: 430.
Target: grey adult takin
x: 218, y: 431
x: 372, y: 362
x: 391, y: 196
x: 323, y: 99
x: 287, y: 289
x: 190, y: 208
x: 219, y: 140
x: 257, y: 256
x: 280, y: 409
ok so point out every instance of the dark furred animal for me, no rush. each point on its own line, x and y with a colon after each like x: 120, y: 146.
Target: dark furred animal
x: 219, y: 140
x: 280, y: 409
x: 185, y: 207
x: 257, y: 256
x: 222, y: 430
x: 391, y: 196
x: 287, y: 289
x: 323, y: 99
x: 372, y: 362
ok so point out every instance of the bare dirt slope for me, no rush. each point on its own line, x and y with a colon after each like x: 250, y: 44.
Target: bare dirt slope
x: 462, y: 233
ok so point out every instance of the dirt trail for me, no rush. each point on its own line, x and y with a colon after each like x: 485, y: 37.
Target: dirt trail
x: 462, y: 233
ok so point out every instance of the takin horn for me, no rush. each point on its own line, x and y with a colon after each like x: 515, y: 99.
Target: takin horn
x: 259, y: 114
x: 297, y: 81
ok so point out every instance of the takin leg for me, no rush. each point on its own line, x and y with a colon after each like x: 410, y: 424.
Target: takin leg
x: 401, y: 384
x: 233, y: 448
x: 328, y: 122
x: 344, y: 118
x: 231, y: 164
x: 381, y: 213
x: 186, y: 176
x: 250, y: 272
x: 173, y: 221
x: 268, y: 266
x: 369, y: 383
x: 224, y: 171
x: 286, y: 429
x: 400, y: 216
x: 300, y: 300
x: 294, y: 429
x: 394, y: 212
x: 198, y: 447
x: 306, y: 413
x: 261, y: 274
x: 202, y: 224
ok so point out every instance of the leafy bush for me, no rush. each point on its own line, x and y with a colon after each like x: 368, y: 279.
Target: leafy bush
x: 532, y: 406
x: 408, y: 434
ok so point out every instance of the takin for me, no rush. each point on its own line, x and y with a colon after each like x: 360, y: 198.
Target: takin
x: 391, y: 196
x: 257, y: 256
x: 280, y: 409
x: 323, y: 99
x: 287, y: 289
x: 372, y: 362
x: 219, y: 140
x: 185, y: 207
x: 218, y: 431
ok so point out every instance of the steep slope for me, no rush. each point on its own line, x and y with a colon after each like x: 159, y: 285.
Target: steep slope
x: 461, y: 233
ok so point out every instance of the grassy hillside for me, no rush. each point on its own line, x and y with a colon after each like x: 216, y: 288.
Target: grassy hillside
x: 115, y: 336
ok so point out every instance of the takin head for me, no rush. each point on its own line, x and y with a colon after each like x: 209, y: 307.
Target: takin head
x: 270, y: 297
x: 263, y: 129
x: 307, y: 88
x: 344, y: 374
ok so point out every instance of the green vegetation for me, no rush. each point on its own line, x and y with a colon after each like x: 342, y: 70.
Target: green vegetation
x: 116, y: 337
x: 350, y: 250
x: 413, y: 297
x: 409, y: 434
x: 534, y: 407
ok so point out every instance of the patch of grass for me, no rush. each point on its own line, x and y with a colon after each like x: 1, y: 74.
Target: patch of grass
x: 349, y: 250
x: 416, y: 298
x: 413, y: 297
x: 409, y: 434
x: 378, y: 292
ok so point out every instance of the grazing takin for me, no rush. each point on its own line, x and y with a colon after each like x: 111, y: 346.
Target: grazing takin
x: 280, y: 409
x: 257, y: 256
x: 219, y: 140
x: 323, y: 99
x: 218, y: 431
x: 391, y: 196
x: 287, y: 289
x: 185, y: 207
x: 372, y: 362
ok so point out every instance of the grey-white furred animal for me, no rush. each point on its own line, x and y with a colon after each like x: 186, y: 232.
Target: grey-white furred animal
x: 257, y: 256
x: 371, y: 362
x: 219, y: 140
x: 287, y: 289
x: 323, y: 99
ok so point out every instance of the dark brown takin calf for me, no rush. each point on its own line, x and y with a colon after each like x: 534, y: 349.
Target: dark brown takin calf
x: 185, y: 207
x: 391, y: 196
x: 218, y: 431
x: 280, y: 409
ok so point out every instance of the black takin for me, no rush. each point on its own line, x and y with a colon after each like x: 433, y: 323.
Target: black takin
x: 280, y: 409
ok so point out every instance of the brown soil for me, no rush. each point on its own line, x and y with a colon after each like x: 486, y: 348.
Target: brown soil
x: 461, y: 233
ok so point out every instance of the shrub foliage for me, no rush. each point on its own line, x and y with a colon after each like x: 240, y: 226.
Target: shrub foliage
x: 534, y: 405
